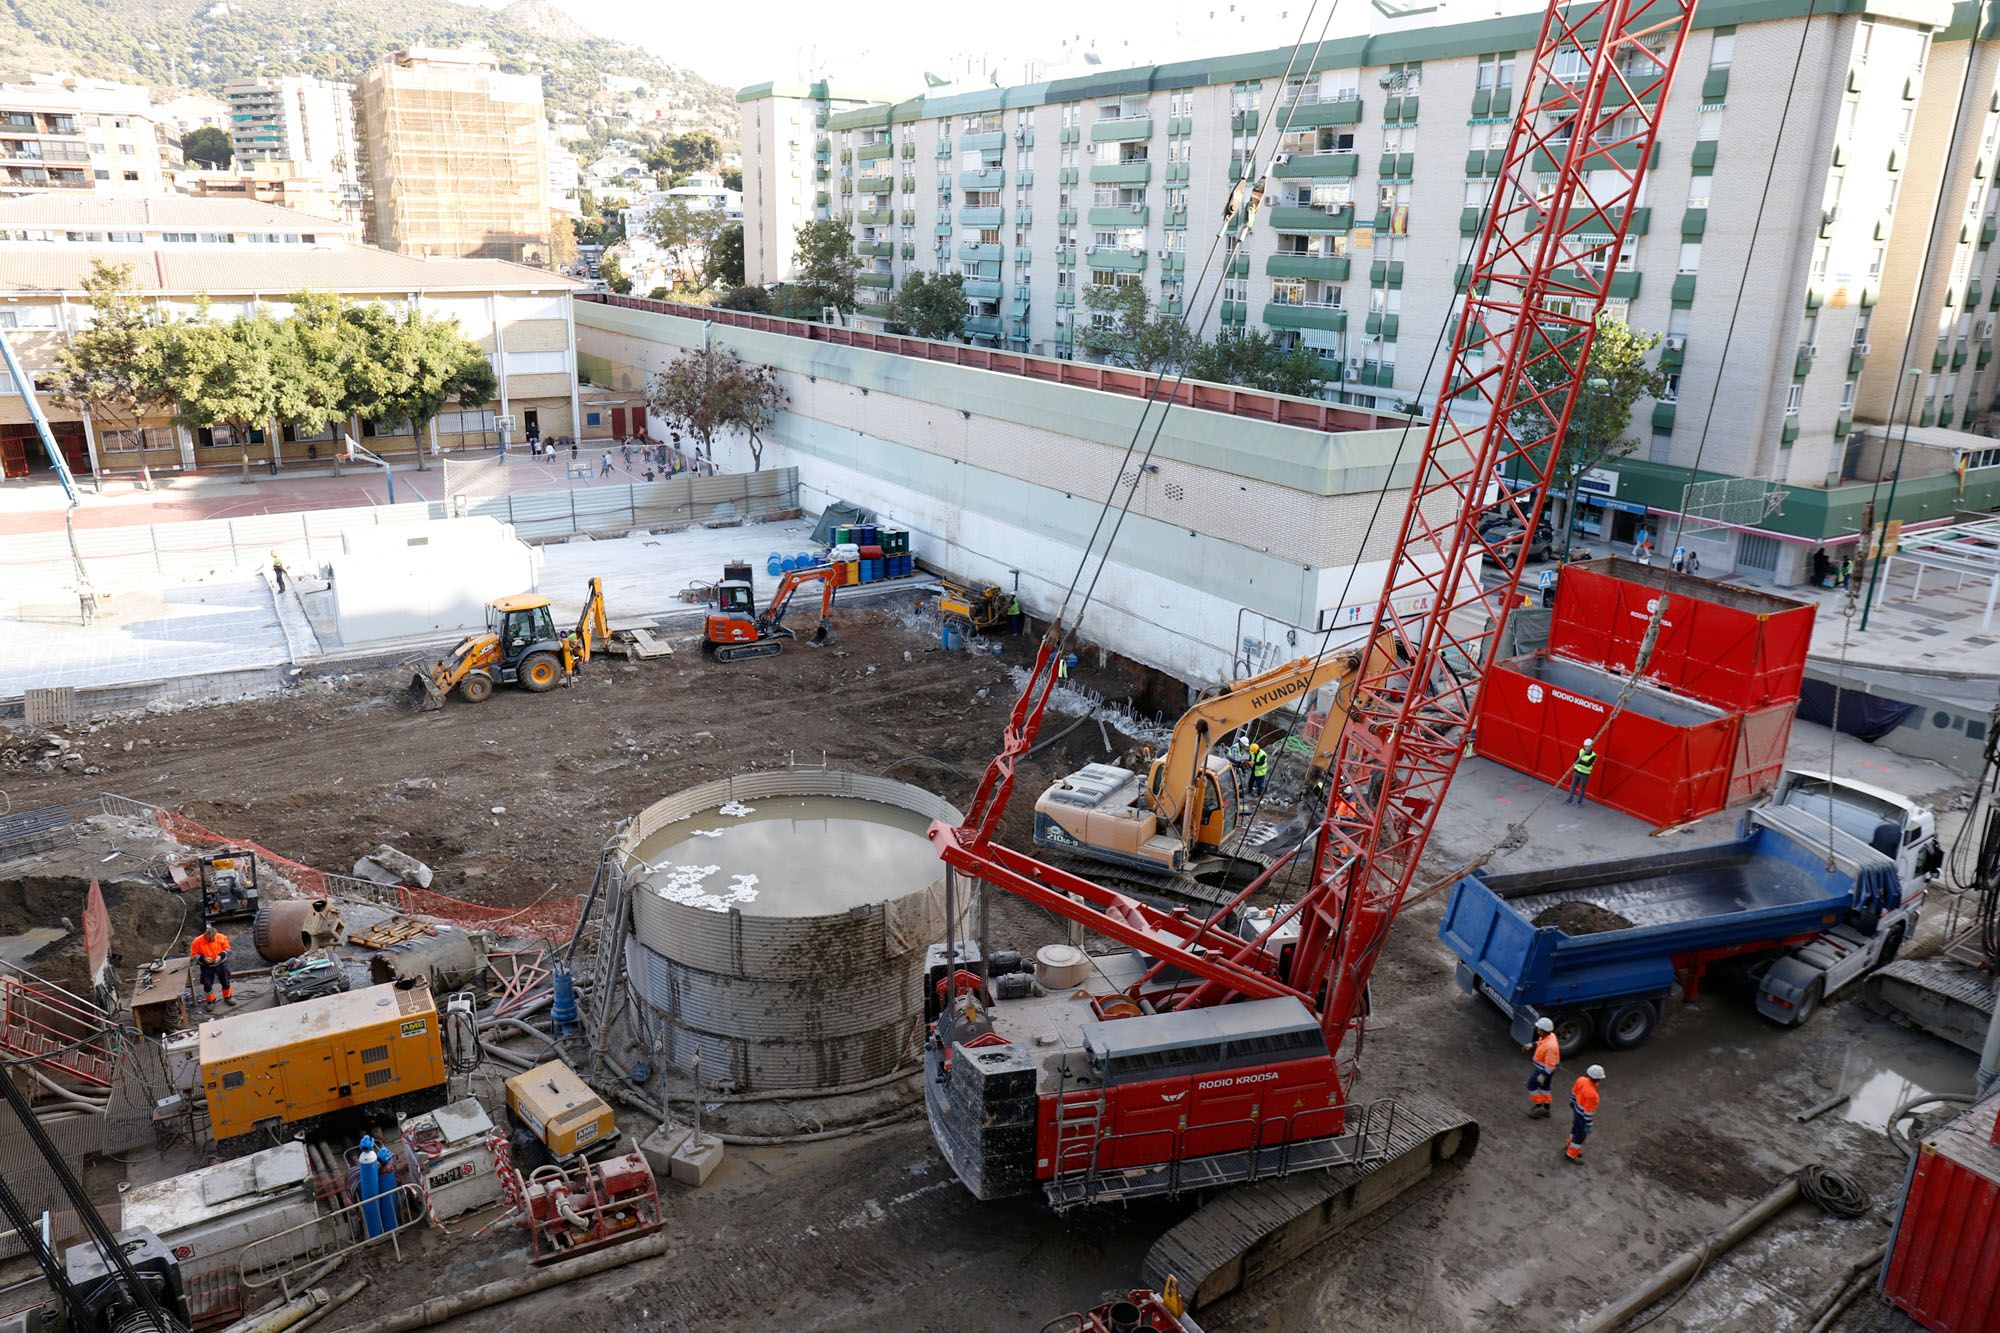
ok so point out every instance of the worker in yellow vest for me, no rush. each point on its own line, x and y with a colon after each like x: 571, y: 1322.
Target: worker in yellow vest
x: 1579, y: 772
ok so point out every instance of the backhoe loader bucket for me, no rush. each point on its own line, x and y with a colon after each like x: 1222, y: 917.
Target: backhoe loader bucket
x: 824, y: 634
x: 422, y: 692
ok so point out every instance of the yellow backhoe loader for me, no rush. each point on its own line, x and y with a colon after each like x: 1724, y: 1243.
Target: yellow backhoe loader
x: 519, y: 646
x: 1188, y: 816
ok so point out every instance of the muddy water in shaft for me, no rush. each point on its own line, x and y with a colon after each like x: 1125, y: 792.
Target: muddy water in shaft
x: 792, y: 856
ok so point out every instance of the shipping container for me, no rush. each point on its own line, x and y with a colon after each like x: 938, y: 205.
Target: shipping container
x: 1665, y: 759
x: 1944, y: 1251
x: 1736, y: 648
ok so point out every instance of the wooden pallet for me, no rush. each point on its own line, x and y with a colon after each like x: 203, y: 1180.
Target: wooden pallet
x: 396, y: 930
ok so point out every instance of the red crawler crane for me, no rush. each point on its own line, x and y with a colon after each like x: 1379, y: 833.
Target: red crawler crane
x: 1207, y: 1056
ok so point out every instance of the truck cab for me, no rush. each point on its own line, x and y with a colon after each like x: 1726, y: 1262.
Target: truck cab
x: 1893, y: 825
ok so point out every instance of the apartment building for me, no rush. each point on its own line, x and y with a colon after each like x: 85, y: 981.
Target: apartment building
x: 1781, y: 234
x: 238, y: 258
x: 786, y: 156
x: 58, y: 132
x: 280, y: 184
x: 457, y: 157
x: 305, y: 121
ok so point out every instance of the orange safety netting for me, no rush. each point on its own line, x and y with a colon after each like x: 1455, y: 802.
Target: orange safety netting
x: 551, y: 919
x: 309, y: 882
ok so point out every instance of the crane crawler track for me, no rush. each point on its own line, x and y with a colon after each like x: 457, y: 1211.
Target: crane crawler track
x: 1244, y: 1233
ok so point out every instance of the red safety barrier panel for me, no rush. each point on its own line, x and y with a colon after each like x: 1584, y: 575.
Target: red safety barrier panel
x: 1664, y: 760
x: 1944, y: 1269
x: 1736, y: 648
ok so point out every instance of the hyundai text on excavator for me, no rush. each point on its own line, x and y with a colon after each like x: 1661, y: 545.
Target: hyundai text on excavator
x: 1195, y: 1056
x: 1185, y: 824
x: 736, y: 629
x: 519, y: 646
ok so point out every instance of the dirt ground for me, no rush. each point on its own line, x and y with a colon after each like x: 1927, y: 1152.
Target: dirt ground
x: 871, y: 1232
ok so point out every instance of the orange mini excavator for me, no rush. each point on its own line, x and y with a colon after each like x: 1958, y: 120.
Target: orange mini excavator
x: 736, y: 629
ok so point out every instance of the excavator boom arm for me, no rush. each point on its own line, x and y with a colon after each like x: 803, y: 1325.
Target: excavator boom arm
x: 1240, y: 702
x: 592, y: 628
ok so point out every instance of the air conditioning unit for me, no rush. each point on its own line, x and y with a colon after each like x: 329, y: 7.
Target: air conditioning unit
x: 1137, y: 250
x: 1138, y: 208
x: 1864, y: 348
x: 1020, y: 136
x: 1279, y: 159
x: 1165, y: 253
x: 1676, y: 342
x: 1809, y: 351
x: 1983, y: 329
x: 1090, y: 249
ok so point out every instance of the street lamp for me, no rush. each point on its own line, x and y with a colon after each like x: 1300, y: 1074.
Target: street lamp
x: 1882, y: 547
x: 356, y: 453
x: 1577, y: 467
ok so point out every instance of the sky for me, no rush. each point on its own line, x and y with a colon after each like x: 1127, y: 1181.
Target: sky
x: 888, y: 48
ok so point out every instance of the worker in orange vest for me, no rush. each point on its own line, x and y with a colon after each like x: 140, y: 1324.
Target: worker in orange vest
x: 211, y: 950
x: 1547, y: 1054
x: 1583, y: 1110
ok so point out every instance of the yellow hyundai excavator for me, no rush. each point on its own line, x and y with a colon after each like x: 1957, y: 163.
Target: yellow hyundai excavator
x: 1188, y: 815
x: 519, y: 646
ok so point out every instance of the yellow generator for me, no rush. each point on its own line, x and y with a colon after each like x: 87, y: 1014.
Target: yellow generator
x: 559, y: 1111
x: 276, y: 1069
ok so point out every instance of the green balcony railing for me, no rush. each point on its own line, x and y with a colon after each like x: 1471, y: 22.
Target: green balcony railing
x: 1311, y: 218
x: 1327, y: 268
x: 1119, y: 215
x: 1122, y: 173
x: 1116, y: 258
x: 1287, y: 315
x: 1123, y: 130
x: 1337, y: 166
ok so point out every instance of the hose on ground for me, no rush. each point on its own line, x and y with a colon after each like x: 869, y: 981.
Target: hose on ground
x: 1833, y: 1190
x: 1894, y: 1128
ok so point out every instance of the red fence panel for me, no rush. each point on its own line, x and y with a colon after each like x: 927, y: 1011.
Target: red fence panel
x: 1736, y: 648
x: 1944, y: 1267
x: 1665, y: 759
x: 1761, y: 737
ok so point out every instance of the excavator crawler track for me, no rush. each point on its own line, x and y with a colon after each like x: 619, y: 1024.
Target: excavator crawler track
x: 1162, y: 888
x: 1248, y: 1231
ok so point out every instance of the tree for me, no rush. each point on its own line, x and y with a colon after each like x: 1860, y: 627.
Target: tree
x: 407, y: 366
x: 824, y: 257
x: 724, y: 266
x: 111, y: 369
x: 931, y: 306
x: 1616, y: 377
x: 1252, y: 360
x: 683, y: 154
x: 562, y: 244
x: 732, y: 178
x: 242, y: 374
x: 708, y: 390
x: 685, y: 230
x: 612, y: 269
x: 753, y: 299
x: 1123, y: 330
x: 208, y: 147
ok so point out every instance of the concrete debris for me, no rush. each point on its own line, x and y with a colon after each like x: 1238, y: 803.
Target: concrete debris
x: 386, y: 865
x: 499, y: 810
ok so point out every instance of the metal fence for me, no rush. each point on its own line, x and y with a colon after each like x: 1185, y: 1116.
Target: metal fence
x: 148, y: 555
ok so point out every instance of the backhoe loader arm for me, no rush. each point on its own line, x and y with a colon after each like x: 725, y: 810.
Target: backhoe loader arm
x: 1240, y: 702
x: 592, y: 628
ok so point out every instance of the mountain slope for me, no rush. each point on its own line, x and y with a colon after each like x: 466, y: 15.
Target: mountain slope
x: 205, y: 43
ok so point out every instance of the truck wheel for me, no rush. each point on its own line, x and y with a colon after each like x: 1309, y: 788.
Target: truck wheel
x: 1890, y: 947
x: 1572, y: 1032
x: 476, y: 688
x: 540, y: 672
x: 1808, y: 1003
x: 1626, y: 1025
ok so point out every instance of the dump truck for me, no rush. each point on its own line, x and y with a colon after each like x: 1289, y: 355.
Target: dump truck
x: 1597, y: 947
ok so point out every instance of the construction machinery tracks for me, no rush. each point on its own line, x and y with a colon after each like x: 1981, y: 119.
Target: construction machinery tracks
x: 1248, y: 1231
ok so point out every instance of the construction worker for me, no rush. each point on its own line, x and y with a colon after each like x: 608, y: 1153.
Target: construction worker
x: 1014, y: 614
x: 278, y: 570
x: 1547, y: 1054
x: 1260, y: 768
x: 1583, y: 1110
x: 1579, y: 772
x: 211, y: 950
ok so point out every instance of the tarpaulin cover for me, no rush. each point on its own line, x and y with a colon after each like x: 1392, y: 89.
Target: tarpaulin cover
x: 96, y: 933
x: 1665, y: 759
x: 1869, y: 716
x: 1733, y: 647
x: 839, y: 514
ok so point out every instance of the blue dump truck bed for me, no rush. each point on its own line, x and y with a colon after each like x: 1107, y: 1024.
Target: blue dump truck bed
x: 1614, y: 928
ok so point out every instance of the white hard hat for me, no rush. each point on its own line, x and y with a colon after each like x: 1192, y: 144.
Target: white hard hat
x: 1545, y: 1025
x: 1595, y: 1073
